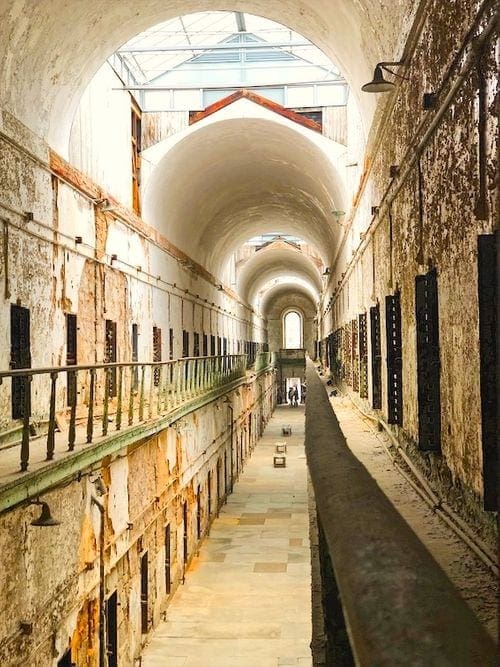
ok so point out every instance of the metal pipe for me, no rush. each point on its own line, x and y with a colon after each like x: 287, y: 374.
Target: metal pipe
x: 234, y: 46
x: 102, y: 609
x: 221, y: 86
x: 415, y: 149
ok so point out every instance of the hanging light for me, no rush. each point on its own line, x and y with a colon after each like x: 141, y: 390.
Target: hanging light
x: 45, y: 518
x: 378, y: 84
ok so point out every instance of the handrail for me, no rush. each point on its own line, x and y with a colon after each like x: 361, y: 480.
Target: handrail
x: 399, y: 606
x: 15, y: 372
x: 109, y: 395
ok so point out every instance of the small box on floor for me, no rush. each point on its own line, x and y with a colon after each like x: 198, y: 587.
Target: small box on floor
x: 280, y: 447
x: 286, y: 430
x: 279, y: 461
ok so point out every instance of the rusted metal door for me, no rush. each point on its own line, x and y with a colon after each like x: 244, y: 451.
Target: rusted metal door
x: 20, y: 357
x: 110, y: 354
x: 363, y: 356
x: 488, y: 314
x: 156, y: 353
x: 135, y: 355
x: 71, y: 356
x: 167, y: 559
x: 394, y: 359
x: 428, y: 363
x: 144, y: 593
x: 376, y: 359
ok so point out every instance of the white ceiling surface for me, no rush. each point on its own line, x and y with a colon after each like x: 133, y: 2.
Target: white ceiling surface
x: 288, y: 289
x: 269, y: 263
x: 241, y: 172
x: 50, y: 49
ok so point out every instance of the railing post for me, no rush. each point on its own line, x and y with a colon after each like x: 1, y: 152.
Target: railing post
x: 90, y: 415
x: 72, y: 414
x: 105, y: 407
x: 52, y: 418
x: 25, y: 443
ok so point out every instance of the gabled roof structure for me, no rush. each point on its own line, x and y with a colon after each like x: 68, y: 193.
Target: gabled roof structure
x: 243, y: 93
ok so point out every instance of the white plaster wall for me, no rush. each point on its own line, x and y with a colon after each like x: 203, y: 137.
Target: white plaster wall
x: 100, y: 140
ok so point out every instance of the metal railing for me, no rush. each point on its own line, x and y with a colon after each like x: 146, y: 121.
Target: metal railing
x: 98, y: 398
x: 262, y: 360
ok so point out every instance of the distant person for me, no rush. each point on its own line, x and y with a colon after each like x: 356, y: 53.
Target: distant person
x: 291, y: 393
x: 302, y: 393
x: 295, y: 397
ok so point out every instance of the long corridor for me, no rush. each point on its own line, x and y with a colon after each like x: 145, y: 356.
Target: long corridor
x: 246, y: 598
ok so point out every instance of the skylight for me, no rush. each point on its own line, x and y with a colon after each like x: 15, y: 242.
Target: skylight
x: 191, y: 61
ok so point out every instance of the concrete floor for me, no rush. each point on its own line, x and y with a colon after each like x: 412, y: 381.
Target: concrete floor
x: 246, y: 601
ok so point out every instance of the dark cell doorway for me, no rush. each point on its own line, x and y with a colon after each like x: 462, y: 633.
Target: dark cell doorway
x: 144, y: 593
x: 71, y: 356
x: 167, y: 559
x: 112, y: 629
x: 20, y: 357
x: 66, y: 661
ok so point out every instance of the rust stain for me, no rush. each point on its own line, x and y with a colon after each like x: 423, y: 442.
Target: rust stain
x: 84, y: 640
x: 88, y: 545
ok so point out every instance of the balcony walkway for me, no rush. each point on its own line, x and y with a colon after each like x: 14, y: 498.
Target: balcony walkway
x: 246, y: 600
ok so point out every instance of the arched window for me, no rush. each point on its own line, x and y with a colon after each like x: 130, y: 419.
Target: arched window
x: 292, y: 329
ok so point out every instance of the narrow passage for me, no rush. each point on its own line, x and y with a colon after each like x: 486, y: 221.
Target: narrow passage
x: 246, y: 601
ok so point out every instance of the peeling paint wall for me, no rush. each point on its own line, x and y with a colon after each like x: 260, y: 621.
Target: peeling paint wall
x: 433, y: 220
x: 49, y: 576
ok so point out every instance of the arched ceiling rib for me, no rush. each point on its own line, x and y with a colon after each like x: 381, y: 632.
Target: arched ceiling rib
x: 237, y: 178
x: 50, y: 49
x: 291, y: 291
x: 271, y: 263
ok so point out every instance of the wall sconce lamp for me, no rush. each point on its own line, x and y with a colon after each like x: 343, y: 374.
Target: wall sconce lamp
x: 327, y: 271
x: 45, y: 518
x: 219, y: 287
x: 113, y: 258
x: 378, y: 84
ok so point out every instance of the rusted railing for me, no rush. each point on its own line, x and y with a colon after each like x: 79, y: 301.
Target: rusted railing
x: 89, y: 401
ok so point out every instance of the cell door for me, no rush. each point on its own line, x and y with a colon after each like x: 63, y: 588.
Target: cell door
x: 156, y: 354
x: 394, y: 359
x: 185, y: 533
x: 376, y: 358
x: 110, y: 354
x: 144, y: 593
x: 428, y: 363
x: 20, y: 357
x: 167, y: 559
x: 135, y: 356
x: 209, y: 493
x: 112, y: 629
x: 71, y: 356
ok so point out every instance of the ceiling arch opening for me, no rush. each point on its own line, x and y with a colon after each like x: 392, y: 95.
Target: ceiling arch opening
x: 349, y: 33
